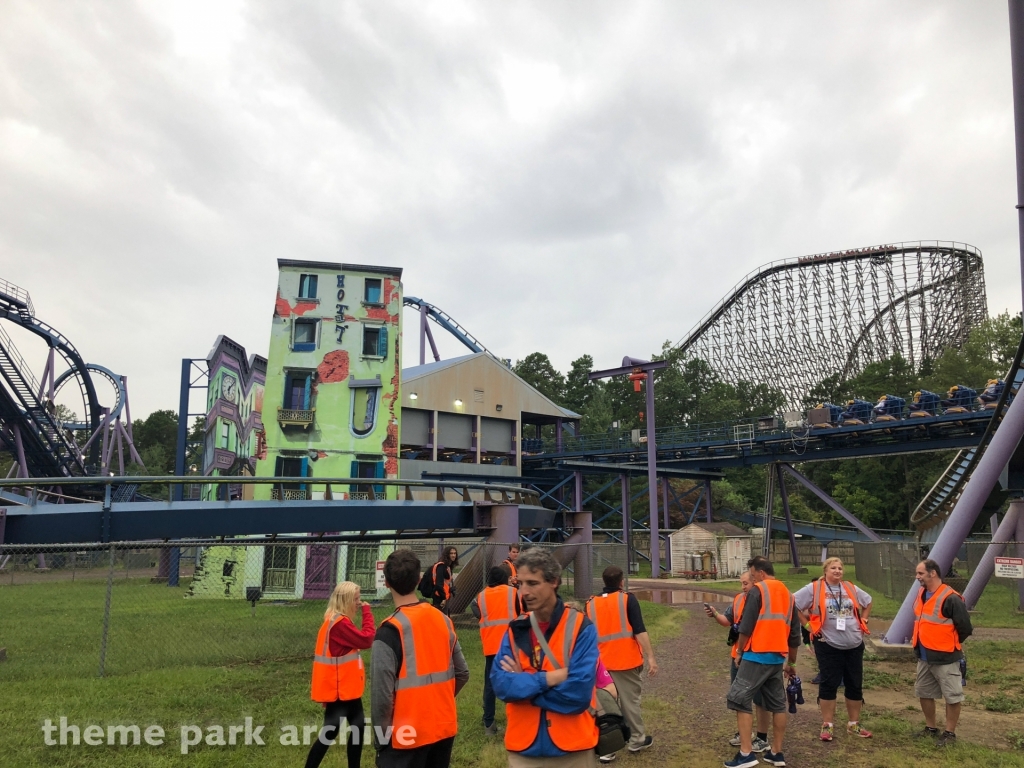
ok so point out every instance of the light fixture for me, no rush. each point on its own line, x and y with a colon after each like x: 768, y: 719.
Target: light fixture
x: 458, y: 403
x: 498, y: 407
x: 413, y: 396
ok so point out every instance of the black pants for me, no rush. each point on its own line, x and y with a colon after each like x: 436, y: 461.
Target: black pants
x: 336, y: 711
x: 436, y: 755
x: 840, y: 667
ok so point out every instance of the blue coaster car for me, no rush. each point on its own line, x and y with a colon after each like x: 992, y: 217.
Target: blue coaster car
x: 959, y: 399
x: 889, y: 408
x: 825, y: 415
x: 857, y: 412
x: 925, y: 403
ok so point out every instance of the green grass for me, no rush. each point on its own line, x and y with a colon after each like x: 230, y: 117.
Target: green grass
x: 172, y: 661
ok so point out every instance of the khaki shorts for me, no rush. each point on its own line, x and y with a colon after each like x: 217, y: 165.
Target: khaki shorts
x: 585, y: 759
x: 939, y: 681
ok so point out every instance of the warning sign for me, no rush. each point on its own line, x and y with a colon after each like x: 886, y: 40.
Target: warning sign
x: 380, y: 575
x: 1010, y: 567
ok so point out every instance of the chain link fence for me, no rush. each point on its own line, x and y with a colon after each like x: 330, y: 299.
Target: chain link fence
x: 889, y: 567
x: 109, y: 609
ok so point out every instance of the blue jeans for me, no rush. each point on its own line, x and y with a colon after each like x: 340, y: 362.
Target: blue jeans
x: 488, y: 693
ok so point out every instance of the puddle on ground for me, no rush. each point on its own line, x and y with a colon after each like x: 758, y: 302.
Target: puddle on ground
x: 679, y: 596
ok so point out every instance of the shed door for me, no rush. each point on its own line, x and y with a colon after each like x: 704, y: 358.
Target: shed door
x: 734, y: 554
x: 320, y: 562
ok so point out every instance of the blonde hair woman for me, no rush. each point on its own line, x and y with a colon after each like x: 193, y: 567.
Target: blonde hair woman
x: 338, y: 673
x: 838, y: 614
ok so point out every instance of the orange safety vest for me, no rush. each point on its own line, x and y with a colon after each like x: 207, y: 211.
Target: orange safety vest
x: 497, y: 606
x: 336, y: 678
x: 512, y: 568
x: 819, y: 608
x: 425, y: 687
x: 771, y: 633
x: 737, y: 613
x: 570, y: 733
x: 933, y: 630
x: 447, y: 582
x: 616, y: 643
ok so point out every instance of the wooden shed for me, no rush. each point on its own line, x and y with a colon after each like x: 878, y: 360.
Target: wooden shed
x: 729, y: 547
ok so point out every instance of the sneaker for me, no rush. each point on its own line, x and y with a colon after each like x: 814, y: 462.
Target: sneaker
x: 735, y: 740
x: 758, y: 745
x: 742, y: 761
x: 927, y: 733
x: 854, y: 729
x: 817, y: 679
x: 647, y: 741
x: 608, y: 758
x: 491, y: 730
x: 947, y: 739
x: 827, y: 732
x: 774, y: 758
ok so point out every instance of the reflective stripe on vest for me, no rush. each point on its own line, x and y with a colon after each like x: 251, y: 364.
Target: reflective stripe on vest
x: 409, y: 658
x: 771, y: 632
x: 738, y: 603
x: 494, y: 619
x: 931, y: 628
x: 569, y: 733
x: 616, y: 642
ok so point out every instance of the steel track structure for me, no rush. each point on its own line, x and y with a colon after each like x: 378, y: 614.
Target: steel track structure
x: 794, y: 323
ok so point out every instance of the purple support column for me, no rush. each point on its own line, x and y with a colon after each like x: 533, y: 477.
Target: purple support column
x: 20, y: 448
x: 794, y: 557
x: 423, y: 334
x: 707, y: 499
x: 652, y: 478
x: 1017, y: 67
x: 558, y: 435
x: 583, y: 572
x: 577, y: 502
x: 1020, y: 553
x: 666, y: 522
x: 986, y: 567
x: 834, y: 504
x: 1001, y: 446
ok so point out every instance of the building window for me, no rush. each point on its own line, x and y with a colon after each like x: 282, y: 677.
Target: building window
x: 307, y: 286
x: 367, y: 470
x: 375, y: 341
x: 365, y: 401
x: 304, y: 335
x: 297, y: 388
x: 372, y: 291
x: 225, y: 432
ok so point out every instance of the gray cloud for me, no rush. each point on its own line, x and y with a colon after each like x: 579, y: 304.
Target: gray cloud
x: 577, y: 177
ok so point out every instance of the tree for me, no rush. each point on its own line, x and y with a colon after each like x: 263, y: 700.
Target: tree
x: 579, y: 389
x: 537, y: 371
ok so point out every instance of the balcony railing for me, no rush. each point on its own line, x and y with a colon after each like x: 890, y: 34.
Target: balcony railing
x: 290, y: 494
x: 290, y: 417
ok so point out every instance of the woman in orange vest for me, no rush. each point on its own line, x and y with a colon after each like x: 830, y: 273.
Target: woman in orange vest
x: 338, y: 672
x: 494, y: 608
x: 444, y: 578
x: 837, y: 612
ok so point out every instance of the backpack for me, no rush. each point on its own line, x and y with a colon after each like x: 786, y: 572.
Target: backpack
x: 613, y: 731
x: 426, y: 586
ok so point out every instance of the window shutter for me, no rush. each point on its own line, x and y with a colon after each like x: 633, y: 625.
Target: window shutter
x: 382, y: 342
x: 378, y: 471
x: 305, y: 395
x: 354, y: 469
x: 305, y: 466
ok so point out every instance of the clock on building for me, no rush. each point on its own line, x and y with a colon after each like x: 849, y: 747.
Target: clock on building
x: 227, y: 388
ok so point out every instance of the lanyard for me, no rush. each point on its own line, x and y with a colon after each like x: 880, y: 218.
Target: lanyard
x: 837, y: 597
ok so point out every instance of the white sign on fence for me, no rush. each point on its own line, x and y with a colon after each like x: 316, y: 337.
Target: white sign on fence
x: 1010, y: 567
x: 380, y: 575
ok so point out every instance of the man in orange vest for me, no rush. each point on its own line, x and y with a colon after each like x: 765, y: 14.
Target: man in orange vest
x: 625, y: 647
x: 769, y: 632
x: 510, y: 563
x: 731, y: 618
x: 418, y: 669
x: 941, y: 624
x: 546, y: 674
x: 494, y: 608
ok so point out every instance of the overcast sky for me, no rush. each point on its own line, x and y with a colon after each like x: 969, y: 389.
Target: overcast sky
x: 569, y: 177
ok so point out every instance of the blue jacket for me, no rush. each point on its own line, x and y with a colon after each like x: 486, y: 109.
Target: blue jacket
x: 568, y: 698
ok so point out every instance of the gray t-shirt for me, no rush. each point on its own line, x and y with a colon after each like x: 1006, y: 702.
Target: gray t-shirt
x: 837, y: 604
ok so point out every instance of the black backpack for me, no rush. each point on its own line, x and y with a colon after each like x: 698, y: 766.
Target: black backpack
x: 426, y: 586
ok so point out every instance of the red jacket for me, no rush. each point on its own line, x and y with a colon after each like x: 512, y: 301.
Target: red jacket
x: 346, y: 637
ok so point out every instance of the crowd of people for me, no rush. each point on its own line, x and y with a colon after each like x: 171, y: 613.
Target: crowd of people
x: 767, y: 625
x: 556, y: 665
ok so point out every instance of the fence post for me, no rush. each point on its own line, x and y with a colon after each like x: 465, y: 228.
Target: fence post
x: 106, y: 613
